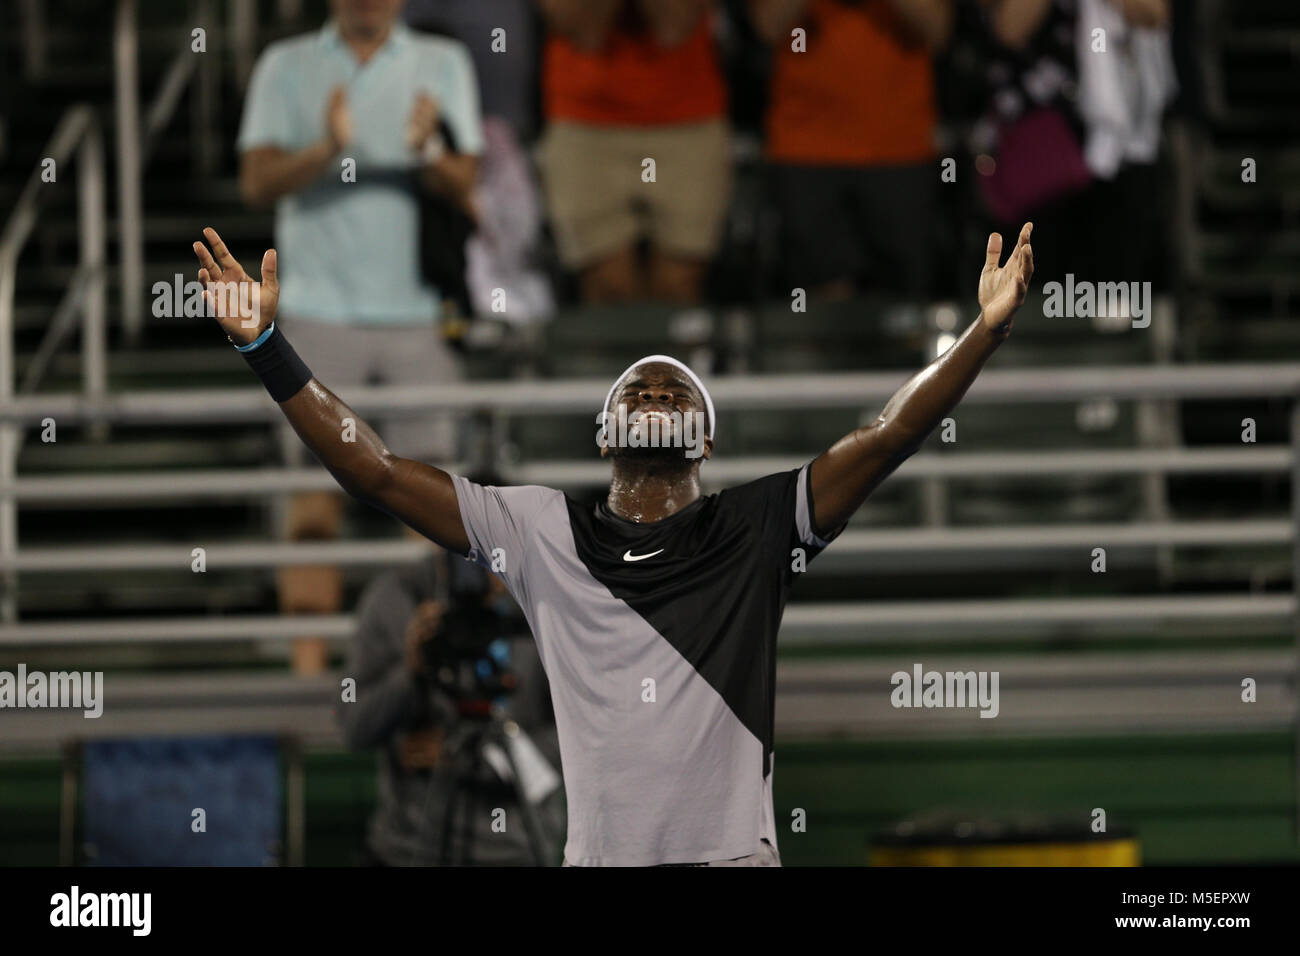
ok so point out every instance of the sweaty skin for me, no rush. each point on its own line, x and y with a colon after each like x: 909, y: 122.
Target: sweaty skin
x: 652, y: 483
x: 847, y: 472
x: 648, y: 484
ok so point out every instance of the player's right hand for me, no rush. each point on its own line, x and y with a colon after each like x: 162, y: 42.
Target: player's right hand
x: 241, y: 306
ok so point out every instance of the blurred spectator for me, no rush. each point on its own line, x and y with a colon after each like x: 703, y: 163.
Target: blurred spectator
x: 426, y: 728
x: 503, y: 280
x: 1074, y: 131
x: 505, y: 61
x: 850, y: 139
x: 625, y: 82
x: 503, y: 277
x: 362, y: 90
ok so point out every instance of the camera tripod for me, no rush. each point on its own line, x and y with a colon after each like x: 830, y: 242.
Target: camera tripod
x: 470, y: 770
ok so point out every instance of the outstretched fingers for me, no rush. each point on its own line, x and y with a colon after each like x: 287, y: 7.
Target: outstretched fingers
x: 993, y: 254
x: 207, y: 263
x: 208, y: 281
x: 1015, y: 262
x: 1025, y: 232
x: 1023, y: 256
x: 224, y: 258
x: 269, y: 269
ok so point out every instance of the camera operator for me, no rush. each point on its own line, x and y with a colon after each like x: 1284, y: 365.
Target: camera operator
x: 426, y: 679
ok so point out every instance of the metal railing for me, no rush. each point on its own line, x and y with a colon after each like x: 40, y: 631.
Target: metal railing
x: 515, y: 398
x: 817, y: 698
x: 878, y: 542
x: 180, y: 488
x: 506, y: 400
x: 130, y: 170
x: 135, y: 143
x: 77, y: 134
x: 841, y: 622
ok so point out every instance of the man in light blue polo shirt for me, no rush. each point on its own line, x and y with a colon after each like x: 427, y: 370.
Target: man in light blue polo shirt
x: 340, y: 131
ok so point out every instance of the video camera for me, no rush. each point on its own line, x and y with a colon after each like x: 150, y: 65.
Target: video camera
x: 460, y: 658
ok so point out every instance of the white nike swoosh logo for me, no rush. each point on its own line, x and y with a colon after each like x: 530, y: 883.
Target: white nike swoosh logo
x: 629, y: 556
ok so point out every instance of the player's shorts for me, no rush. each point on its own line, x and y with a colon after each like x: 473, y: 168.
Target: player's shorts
x: 344, y: 356
x: 600, y: 205
x: 766, y: 856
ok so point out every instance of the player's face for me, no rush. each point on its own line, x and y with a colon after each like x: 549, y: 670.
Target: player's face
x: 658, y: 393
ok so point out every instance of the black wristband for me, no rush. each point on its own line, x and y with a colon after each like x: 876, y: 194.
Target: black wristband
x: 278, y: 366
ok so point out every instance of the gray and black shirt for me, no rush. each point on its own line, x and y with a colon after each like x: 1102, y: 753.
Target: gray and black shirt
x: 659, y: 643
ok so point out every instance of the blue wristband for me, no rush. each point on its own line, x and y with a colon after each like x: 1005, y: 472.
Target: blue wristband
x: 266, y: 334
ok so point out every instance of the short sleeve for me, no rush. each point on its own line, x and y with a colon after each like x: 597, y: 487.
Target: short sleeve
x: 805, y: 527
x: 267, y: 119
x: 499, y: 523
x: 458, y: 94
x: 780, y: 506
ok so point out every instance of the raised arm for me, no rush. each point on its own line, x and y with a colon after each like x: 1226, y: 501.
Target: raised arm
x: 418, y: 494
x: 846, y: 473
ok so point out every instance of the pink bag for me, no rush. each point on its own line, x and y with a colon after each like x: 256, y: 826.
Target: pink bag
x: 1039, y: 160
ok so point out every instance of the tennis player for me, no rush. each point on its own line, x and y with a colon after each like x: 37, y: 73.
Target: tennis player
x: 655, y: 613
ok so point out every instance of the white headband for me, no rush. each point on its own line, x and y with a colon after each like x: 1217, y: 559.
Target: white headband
x: 669, y: 360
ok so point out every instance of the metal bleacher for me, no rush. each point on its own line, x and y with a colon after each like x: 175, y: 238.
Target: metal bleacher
x: 1075, y: 438
x: 1239, y: 248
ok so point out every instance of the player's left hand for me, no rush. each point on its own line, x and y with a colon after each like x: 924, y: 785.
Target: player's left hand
x: 1002, y: 289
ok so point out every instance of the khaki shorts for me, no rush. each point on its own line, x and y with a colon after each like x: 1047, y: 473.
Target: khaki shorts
x: 599, y: 204
x: 344, y: 357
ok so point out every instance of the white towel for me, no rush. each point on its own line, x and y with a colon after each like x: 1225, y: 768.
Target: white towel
x: 1122, y: 92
